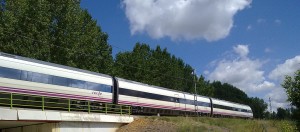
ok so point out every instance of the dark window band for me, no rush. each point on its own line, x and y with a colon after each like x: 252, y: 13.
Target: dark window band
x: 231, y: 108
x: 128, y: 92
x: 50, y: 79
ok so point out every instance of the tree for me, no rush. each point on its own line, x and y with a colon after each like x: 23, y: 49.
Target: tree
x: 283, y: 113
x: 154, y: 66
x: 295, y: 114
x: 56, y: 31
x: 258, y: 107
x: 228, y: 92
x: 267, y: 115
x: 291, y: 85
x: 134, y: 65
x: 204, y: 87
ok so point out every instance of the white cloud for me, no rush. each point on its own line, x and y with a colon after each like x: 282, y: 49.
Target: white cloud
x: 183, y: 19
x: 261, y: 20
x: 266, y: 85
x: 206, y: 72
x: 249, y: 27
x: 278, y: 98
x: 278, y: 95
x: 277, y: 21
x: 241, y: 72
x: 247, y: 74
x: 287, y: 68
x: 242, y: 50
x: 268, y: 50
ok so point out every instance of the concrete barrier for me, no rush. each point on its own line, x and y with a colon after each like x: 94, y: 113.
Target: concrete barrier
x: 67, y: 127
x: 59, y: 121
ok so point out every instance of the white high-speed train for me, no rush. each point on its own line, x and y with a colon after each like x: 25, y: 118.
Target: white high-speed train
x: 28, y: 76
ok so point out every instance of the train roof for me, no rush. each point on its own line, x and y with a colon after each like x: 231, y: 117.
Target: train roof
x: 135, y: 82
x: 52, y: 64
x: 229, y: 101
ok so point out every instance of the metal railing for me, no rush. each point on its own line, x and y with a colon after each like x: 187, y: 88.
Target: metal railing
x: 54, y: 103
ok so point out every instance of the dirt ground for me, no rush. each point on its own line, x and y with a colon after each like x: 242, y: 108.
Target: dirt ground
x: 148, y: 125
x: 205, y: 124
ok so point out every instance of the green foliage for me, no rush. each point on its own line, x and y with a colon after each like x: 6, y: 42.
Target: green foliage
x: 258, y: 107
x: 291, y: 85
x: 61, y: 32
x: 158, y: 67
x: 295, y: 115
x: 286, y: 126
x: 268, y: 115
x: 204, y: 87
x: 155, y: 67
x: 56, y: 31
x: 283, y: 113
x: 229, y: 124
x: 228, y: 92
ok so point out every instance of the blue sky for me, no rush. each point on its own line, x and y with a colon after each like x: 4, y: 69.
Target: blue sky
x: 250, y: 44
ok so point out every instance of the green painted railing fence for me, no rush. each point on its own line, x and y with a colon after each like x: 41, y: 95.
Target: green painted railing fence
x: 54, y: 103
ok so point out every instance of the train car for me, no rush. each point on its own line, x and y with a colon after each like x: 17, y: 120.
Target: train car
x: 226, y: 108
x: 243, y: 110
x: 147, y: 99
x: 22, y: 75
x: 28, y: 76
x: 189, y: 104
x: 203, y: 105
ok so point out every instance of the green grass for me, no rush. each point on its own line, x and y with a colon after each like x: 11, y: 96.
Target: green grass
x: 199, y: 124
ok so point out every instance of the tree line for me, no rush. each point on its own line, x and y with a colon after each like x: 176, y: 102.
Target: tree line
x: 62, y: 32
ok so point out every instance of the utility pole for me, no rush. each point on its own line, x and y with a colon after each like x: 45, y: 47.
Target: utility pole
x: 270, y: 105
x: 195, y: 82
x: 195, y: 90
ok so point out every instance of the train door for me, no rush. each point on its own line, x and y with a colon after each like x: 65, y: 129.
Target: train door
x: 176, y: 96
x: 196, y: 103
x: 211, y: 108
x: 184, y: 102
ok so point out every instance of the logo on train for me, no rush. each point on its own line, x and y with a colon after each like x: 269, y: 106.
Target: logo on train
x: 97, y: 93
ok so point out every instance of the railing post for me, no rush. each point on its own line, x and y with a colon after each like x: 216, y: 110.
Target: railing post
x: 43, y: 103
x: 89, y: 108
x: 105, y: 108
x: 11, y: 100
x: 121, y: 109
x: 69, y: 105
x: 129, y: 112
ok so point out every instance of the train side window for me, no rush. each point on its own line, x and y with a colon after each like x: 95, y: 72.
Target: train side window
x: 10, y: 73
x: 143, y: 94
x: 24, y: 75
x: 41, y: 78
x: 172, y: 99
x: 78, y: 84
x: 107, y: 88
x: 203, y: 104
x: 99, y: 87
x: 93, y: 86
x: 181, y: 101
x: 60, y: 81
x: 206, y: 104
